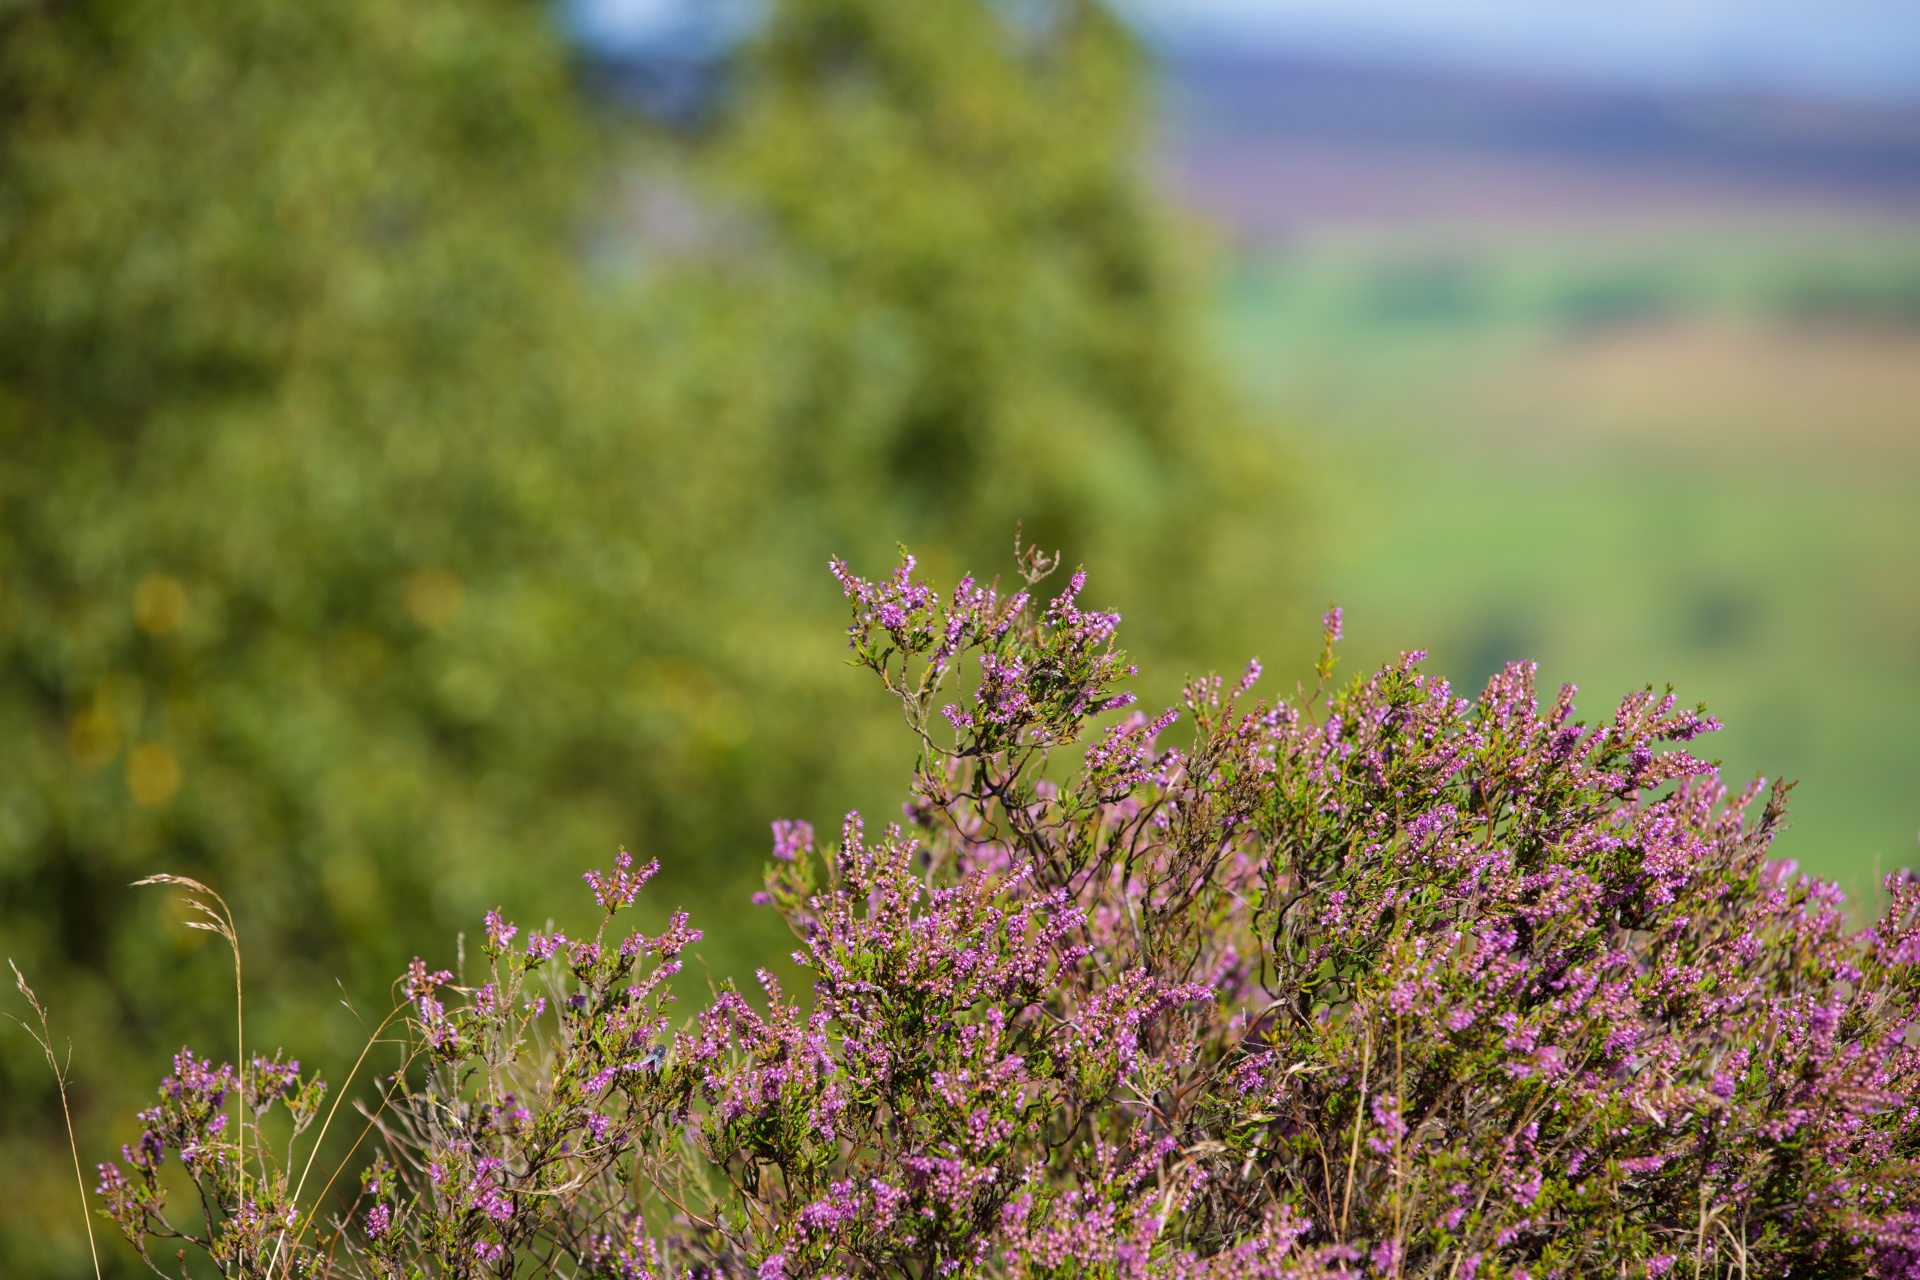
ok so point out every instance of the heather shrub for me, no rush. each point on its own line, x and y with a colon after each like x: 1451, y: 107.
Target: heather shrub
x: 1373, y: 980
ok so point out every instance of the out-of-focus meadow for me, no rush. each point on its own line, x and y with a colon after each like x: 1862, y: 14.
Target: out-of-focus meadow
x: 1621, y: 378
x: 1721, y: 490
x: 422, y: 436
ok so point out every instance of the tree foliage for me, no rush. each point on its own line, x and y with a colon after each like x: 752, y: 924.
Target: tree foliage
x: 412, y: 474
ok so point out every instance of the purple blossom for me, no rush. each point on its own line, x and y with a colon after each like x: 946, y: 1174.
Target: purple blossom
x: 499, y: 932
x: 422, y: 983
x: 792, y: 839
x: 1387, y: 982
x: 619, y: 887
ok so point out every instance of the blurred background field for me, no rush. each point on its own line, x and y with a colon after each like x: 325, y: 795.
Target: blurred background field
x: 422, y: 430
x: 1618, y: 371
x: 1694, y: 479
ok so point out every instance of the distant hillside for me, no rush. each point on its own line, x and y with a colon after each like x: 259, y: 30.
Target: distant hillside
x: 1269, y: 145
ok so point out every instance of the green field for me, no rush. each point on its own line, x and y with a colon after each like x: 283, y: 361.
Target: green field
x: 1687, y: 456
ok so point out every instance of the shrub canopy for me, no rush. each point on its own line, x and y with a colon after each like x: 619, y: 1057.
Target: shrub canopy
x: 1375, y: 980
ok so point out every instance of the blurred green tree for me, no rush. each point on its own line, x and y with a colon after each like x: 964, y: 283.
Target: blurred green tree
x: 416, y: 480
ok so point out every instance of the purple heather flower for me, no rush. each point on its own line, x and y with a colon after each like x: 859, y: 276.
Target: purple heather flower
x: 791, y: 839
x: 619, y: 887
x: 499, y: 932
x: 422, y: 983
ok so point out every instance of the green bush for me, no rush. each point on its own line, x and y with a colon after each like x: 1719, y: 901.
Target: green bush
x: 394, y: 501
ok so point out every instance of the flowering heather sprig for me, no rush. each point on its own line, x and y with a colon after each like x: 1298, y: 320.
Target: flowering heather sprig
x: 897, y: 607
x: 500, y: 934
x: 242, y: 1211
x: 420, y: 983
x: 1381, y: 982
x: 1125, y: 757
x: 270, y: 1079
x: 621, y: 886
x: 792, y: 840
x: 1039, y: 677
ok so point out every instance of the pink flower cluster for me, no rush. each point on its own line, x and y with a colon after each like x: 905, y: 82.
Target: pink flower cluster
x: 1385, y: 981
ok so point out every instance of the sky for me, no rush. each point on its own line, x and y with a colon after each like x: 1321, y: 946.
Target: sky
x: 1867, y: 49
x: 1851, y: 48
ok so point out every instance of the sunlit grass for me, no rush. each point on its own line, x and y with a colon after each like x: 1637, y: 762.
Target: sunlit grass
x: 1696, y: 459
